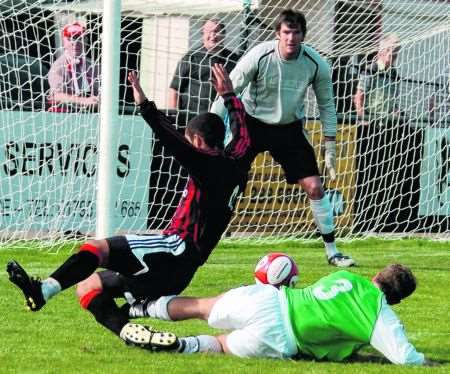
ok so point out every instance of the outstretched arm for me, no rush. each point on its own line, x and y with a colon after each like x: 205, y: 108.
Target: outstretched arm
x: 241, y: 76
x: 240, y: 143
x: 173, y: 99
x: 389, y: 338
x: 174, y: 142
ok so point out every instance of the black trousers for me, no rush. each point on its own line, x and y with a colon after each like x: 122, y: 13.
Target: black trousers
x: 388, y: 168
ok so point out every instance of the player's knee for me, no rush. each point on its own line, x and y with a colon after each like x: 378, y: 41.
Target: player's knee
x: 86, y: 299
x: 223, y: 343
x: 314, y: 191
x: 89, y: 284
x: 98, y: 248
x: 206, y: 305
x: 313, y: 187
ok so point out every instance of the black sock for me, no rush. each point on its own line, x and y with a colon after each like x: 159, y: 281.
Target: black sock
x: 107, y: 313
x: 75, y: 269
x: 328, y: 238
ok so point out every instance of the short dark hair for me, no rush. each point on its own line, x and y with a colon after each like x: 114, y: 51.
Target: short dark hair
x: 397, y: 282
x: 210, y: 127
x: 291, y: 18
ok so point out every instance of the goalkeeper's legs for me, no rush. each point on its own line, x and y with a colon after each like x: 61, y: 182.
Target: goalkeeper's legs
x: 323, y: 217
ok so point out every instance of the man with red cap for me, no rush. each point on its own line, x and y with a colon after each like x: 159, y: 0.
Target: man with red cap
x: 73, y: 78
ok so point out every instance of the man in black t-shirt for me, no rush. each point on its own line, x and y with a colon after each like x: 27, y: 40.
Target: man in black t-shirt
x: 191, y: 87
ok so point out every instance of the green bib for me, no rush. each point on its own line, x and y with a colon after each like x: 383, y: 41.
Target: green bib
x: 334, y: 317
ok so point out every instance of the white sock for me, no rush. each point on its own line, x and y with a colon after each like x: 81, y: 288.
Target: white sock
x: 50, y: 287
x: 151, y: 308
x: 158, y: 308
x: 323, y: 217
x: 201, y: 344
x: 331, y: 249
x: 323, y: 214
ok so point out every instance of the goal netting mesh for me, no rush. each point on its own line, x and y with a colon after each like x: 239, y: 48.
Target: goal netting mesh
x: 393, y: 163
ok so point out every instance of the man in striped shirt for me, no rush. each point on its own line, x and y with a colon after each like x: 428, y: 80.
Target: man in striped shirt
x: 150, y: 266
x: 273, y: 79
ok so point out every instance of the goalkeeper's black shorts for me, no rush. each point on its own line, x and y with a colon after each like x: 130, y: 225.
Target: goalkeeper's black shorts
x: 287, y: 144
x: 149, y: 266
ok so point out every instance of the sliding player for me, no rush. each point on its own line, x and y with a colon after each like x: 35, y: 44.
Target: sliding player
x: 329, y: 320
x: 151, y: 266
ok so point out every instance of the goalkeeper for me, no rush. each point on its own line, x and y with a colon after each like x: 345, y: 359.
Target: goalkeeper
x: 273, y: 78
x: 150, y: 266
x: 329, y: 320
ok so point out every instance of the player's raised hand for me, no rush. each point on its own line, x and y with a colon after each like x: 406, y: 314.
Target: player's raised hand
x: 220, y: 79
x: 138, y: 93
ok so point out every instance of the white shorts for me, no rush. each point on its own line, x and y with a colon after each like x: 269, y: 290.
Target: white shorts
x: 258, y: 317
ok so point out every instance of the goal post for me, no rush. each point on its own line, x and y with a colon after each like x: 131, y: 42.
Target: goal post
x: 393, y: 176
x: 106, y: 191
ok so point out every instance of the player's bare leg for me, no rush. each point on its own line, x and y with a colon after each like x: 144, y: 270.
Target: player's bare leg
x: 181, y: 308
x: 173, y: 308
x: 177, y: 308
x: 323, y: 217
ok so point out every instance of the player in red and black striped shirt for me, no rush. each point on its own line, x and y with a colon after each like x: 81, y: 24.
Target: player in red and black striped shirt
x: 150, y: 266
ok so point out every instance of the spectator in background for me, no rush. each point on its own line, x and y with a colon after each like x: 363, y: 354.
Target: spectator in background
x: 191, y: 87
x: 73, y: 78
x: 377, y: 91
x: 385, y: 161
x: 439, y: 102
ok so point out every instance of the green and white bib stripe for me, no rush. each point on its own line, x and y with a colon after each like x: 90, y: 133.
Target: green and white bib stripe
x: 334, y: 317
x: 273, y: 90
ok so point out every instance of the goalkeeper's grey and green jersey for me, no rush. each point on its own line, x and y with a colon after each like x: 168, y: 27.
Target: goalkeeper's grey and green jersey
x: 273, y: 90
x: 343, y: 312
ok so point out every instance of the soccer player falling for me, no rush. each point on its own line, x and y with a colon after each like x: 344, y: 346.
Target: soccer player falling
x: 151, y: 266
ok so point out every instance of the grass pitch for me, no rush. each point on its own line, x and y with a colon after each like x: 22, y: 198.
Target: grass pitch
x: 63, y: 338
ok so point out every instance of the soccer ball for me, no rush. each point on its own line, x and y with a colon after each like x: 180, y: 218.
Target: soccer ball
x: 277, y: 269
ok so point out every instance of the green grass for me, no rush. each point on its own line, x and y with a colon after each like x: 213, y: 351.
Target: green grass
x: 63, y: 338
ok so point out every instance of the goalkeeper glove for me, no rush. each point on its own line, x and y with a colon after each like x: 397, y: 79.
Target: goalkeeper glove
x: 330, y: 158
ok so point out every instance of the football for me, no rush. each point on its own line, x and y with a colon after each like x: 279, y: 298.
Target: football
x: 277, y: 269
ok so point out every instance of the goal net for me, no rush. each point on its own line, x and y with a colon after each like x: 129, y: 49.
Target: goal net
x: 393, y: 153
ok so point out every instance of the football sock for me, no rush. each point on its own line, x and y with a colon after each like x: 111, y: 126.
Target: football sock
x: 75, y: 269
x: 151, y: 308
x: 200, y: 343
x: 330, y: 249
x: 50, y: 287
x: 105, y: 311
x: 323, y: 214
x: 323, y: 217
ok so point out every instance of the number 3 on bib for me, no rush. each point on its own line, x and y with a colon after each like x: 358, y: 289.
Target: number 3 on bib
x: 326, y: 293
